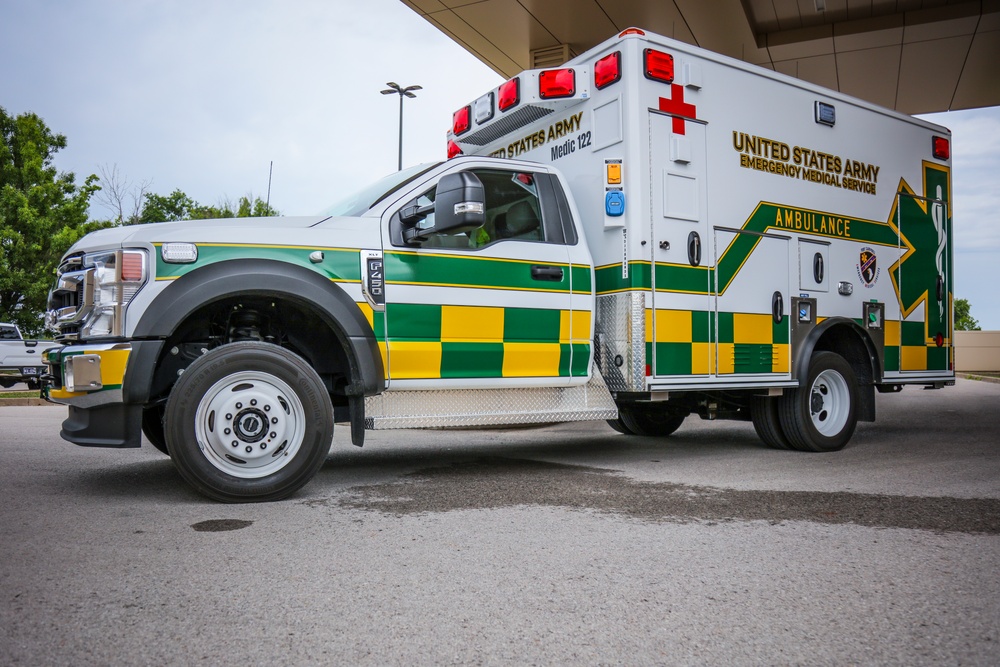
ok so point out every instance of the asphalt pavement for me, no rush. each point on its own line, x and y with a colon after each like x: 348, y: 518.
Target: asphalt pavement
x: 556, y: 545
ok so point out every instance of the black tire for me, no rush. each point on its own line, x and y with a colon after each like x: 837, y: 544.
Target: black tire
x: 7, y: 384
x: 648, y: 420
x: 249, y: 422
x: 822, y: 415
x: 767, y: 422
x: 617, y: 425
x: 152, y: 427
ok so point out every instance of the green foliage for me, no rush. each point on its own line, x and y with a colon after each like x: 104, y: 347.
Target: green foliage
x: 42, y: 213
x: 964, y: 321
x: 179, y: 206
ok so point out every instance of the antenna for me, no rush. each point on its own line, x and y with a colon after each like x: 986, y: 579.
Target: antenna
x: 267, y: 204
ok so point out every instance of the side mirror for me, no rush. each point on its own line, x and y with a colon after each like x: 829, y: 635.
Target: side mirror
x: 411, y: 215
x: 459, y: 206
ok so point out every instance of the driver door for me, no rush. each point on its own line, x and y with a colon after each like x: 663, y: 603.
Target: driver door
x: 487, y: 307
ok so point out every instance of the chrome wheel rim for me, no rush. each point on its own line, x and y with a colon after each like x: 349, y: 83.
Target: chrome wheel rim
x: 829, y: 403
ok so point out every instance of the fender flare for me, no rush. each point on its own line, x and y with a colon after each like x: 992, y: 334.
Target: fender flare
x: 808, y: 346
x: 262, y: 277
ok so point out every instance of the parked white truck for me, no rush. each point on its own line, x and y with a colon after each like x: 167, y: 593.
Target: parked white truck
x: 650, y: 231
x: 20, y: 359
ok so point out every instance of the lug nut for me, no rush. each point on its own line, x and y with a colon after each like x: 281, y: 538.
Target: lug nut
x: 253, y: 401
x: 229, y: 417
x: 239, y: 406
x: 263, y: 446
x: 228, y: 431
x: 274, y: 420
x: 267, y: 408
x: 236, y: 443
x: 249, y: 449
x: 273, y: 435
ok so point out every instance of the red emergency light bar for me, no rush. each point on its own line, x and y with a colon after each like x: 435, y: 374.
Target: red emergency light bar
x: 509, y: 94
x: 608, y: 70
x: 941, y: 148
x: 556, y: 83
x: 658, y: 66
x: 460, y: 122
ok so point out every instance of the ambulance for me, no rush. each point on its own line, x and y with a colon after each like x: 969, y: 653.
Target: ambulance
x: 649, y: 232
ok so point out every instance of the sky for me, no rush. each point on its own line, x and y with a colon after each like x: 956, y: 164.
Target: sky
x: 203, y: 95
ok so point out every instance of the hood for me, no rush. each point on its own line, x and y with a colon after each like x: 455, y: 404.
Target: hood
x: 192, y: 230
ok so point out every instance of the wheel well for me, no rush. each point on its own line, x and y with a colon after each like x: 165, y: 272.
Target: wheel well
x: 258, y: 317
x: 849, y: 344
x: 853, y: 344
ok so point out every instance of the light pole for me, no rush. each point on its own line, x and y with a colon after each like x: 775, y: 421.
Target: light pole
x: 402, y: 92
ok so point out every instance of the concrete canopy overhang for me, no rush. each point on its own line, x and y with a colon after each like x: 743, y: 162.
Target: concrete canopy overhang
x: 915, y: 56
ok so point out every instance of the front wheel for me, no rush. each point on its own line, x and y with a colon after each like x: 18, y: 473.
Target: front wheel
x: 822, y: 415
x: 152, y: 427
x: 249, y: 422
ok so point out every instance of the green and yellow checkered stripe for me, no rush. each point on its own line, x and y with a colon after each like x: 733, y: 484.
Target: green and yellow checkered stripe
x: 452, y: 341
x: 907, y: 348
x: 693, y: 343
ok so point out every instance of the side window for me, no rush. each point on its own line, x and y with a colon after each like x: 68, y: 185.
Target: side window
x: 513, y: 212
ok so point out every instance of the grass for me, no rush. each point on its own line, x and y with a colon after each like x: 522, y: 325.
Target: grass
x: 19, y: 394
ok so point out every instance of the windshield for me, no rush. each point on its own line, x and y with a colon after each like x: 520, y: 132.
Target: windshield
x: 362, y: 200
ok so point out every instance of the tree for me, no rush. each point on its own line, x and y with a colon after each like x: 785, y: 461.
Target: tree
x: 963, y: 317
x: 178, y: 206
x: 121, y: 196
x: 42, y: 213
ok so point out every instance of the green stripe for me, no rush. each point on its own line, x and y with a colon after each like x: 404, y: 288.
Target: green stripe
x: 340, y: 265
x: 454, y: 271
x: 609, y: 278
x: 767, y: 217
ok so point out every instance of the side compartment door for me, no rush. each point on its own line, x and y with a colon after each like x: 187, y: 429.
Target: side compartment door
x: 490, y: 307
x: 752, y: 302
x: 679, y: 327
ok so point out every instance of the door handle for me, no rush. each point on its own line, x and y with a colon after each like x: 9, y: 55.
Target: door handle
x: 694, y: 249
x: 547, y: 273
x: 777, y: 307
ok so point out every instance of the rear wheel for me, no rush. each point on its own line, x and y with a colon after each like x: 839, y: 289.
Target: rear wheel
x: 767, y: 422
x: 646, y: 420
x: 249, y: 422
x: 822, y: 415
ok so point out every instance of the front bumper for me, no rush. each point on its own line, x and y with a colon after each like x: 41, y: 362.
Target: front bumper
x: 89, y: 380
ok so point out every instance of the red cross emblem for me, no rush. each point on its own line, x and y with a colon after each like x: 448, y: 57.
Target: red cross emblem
x: 676, y: 105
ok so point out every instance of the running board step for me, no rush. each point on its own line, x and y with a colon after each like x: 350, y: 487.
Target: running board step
x: 490, y: 407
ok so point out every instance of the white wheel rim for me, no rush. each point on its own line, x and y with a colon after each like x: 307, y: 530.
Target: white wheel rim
x: 250, y: 424
x: 829, y: 403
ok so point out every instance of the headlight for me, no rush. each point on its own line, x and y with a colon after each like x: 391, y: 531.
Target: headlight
x: 116, y: 277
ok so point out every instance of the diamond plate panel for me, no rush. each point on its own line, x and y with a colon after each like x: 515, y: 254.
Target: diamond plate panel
x: 490, y: 407
x: 621, y: 340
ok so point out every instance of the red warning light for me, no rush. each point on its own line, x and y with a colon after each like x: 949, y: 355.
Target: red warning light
x: 460, y: 121
x: 453, y: 150
x: 556, y: 83
x: 608, y: 70
x: 658, y: 65
x: 941, y: 148
x: 509, y: 94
